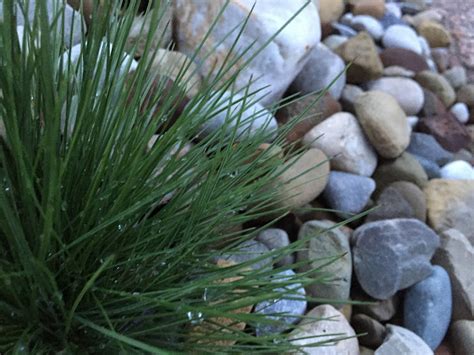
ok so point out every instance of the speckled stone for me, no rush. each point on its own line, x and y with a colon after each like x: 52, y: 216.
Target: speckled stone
x: 391, y: 255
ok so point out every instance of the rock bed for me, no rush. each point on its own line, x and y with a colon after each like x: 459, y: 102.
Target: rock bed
x: 398, y: 127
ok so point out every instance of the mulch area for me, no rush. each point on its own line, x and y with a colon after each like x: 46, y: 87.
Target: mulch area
x: 459, y: 19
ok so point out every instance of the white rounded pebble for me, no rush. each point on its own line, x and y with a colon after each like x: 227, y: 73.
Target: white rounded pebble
x: 394, y: 9
x: 400, y: 36
x: 461, y: 112
x: 425, y: 47
x: 458, y: 170
x: 412, y: 121
x: 369, y: 24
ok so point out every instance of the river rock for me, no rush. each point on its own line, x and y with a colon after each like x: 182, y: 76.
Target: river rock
x: 71, y: 18
x: 361, y: 52
x: 247, y: 251
x: 334, y: 41
x: 375, y: 330
x: 343, y: 30
x: 431, y: 168
x: 324, y: 69
x: 138, y: 35
x: 447, y: 130
x: 466, y: 94
x: 375, y: 8
x: 384, y: 123
x: 369, y: 24
x: 455, y: 255
x: 407, y: 92
x: 391, y: 255
x: 461, y: 112
x: 433, y: 106
x: 399, y: 36
x: 395, y: 71
x: 230, y: 110
x: 342, y: 139
x: 323, y: 243
x: 302, y: 179
x: 435, y: 33
x: 404, y: 168
x: 450, y: 205
x: 390, y: 19
x: 279, y: 62
x: 171, y: 64
x: 424, y: 145
x: 349, y: 96
x: 461, y: 333
x: 332, y: 322
x: 330, y: 10
x: 400, y: 199
x: 273, y: 239
x: 305, y: 113
x: 428, y: 306
x: 428, y: 15
x: 438, y: 85
x: 348, y: 193
x: 456, y: 76
x: 402, y: 341
x: 291, y: 306
x: 380, y: 310
x: 458, y: 169
x: 441, y: 58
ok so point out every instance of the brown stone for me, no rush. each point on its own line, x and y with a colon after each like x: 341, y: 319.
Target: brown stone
x: 403, y: 58
x: 444, y: 349
x: 375, y: 330
x: 365, y: 64
x: 447, y: 130
x: 375, y: 8
x: 435, y: 34
x: 325, y: 107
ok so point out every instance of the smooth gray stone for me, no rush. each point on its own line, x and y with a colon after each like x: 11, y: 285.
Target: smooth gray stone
x: 425, y: 146
x: 428, y: 307
x: 348, y: 193
x: 391, y: 255
x: 286, y: 311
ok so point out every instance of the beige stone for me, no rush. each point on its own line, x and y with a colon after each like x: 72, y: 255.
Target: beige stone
x: 437, y: 84
x: 360, y: 51
x: 435, y: 33
x: 323, y: 330
x: 384, y: 123
x: 330, y: 10
x: 303, y: 179
x: 456, y: 256
x: 176, y: 64
x: 375, y: 8
x: 450, y: 205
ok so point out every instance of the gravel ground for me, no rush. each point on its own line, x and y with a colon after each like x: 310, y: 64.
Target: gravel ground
x: 459, y: 19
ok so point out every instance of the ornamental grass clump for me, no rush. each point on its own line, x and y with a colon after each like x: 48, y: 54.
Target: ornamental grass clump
x: 113, y: 237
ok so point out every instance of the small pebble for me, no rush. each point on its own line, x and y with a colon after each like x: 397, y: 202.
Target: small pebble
x: 458, y: 170
x: 461, y: 112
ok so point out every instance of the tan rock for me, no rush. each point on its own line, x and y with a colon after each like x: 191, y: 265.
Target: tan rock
x: 466, y: 94
x: 341, y: 138
x: 313, y: 331
x: 437, y: 84
x: 375, y: 8
x: 384, y: 123
x: 456, y: 256
x: 450, y: 205
x: 330, y: 10
x: 303, y: 179
x: 176, y: 64
x: 435, y: 15
x: 361, y: 52
x: 435, y: 33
